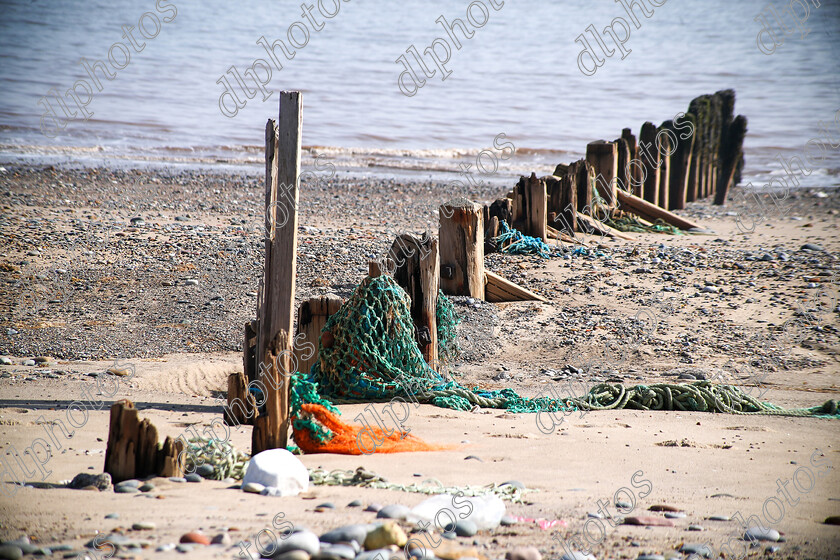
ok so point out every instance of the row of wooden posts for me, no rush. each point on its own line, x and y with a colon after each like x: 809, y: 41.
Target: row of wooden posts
x: 704, y: 163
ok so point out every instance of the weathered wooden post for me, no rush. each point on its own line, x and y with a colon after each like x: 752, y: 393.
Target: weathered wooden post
x: 733, y: 146
x: 274, y: 341
x: 680, y: 163
x: 623, y: 170
x: 132, y: 450
x: 603, y: 157
x: 634, y: 167
x: 664, y: 147
x: 312, y: 316
x: 536, y: 205
x: 417, y: 271
x: 461, y: 248
x: 650, y: 161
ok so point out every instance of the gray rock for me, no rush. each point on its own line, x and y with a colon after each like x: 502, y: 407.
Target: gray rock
x: 355, y: 503
x: 373, y: 507
x: 761, y: 534
x: 177, y: 479
x: 696, y: 528
x: 348, y: 533
x: 130, y: 482
x: 326, y: 505
x: 272, y: 491
x: 674, y: 514
x: 144, y: 526
x: 710, y: 289
x: 812, y: 247
x: 523, y: 553
x: 507, y: 521
x: 120, y: 489
x: 377, y: 554
x: 83, y: 480
x: 465, y: 528
x: 393, y: 511
x: 183, y: 548
x: 193, y: 477
x: 698, y: 549
x: 306, y: 541
x: 337, y: 552
x: 623, y: 505
x: 293, y: 555
x: 29, y: 362
x: 112, y: 516
x: 5, y: 361
x: 223, y: 539
x: 205, y: 471
x: 10, y: 552
x: 165, y: 547
x: 577, y: 555
x: 720, y: 518
x: 651, y: 557
x: 253, y: 487
x: 147, y: 487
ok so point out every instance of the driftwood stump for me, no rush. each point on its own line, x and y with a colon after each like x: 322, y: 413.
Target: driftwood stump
x: 603, y: 157
x: 312, y: 316
x: 649, y: 156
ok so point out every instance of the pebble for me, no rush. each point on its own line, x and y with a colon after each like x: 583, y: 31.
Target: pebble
x: 83, y: 480
x: 194, y: 537
x: 832, y: 520
x: 133, y: 482
x: 253, y: 487
x: 144, y: 526
x: 10, y: 552
x: 710, y: 290
x: 223, y: 539
x: 347, y: 533
x: 112, y: 516
x: 507, y: 521
x: 205, y: 471
x: 293, y: 555
x: 29, y: 362
x: 120, y: 489
x: 761, y: 534
x: 306, y: 541
x: 523, y: 553
x: 177, y: 479
x: 185, y: 547
x: 355, y: 503
x: 394, y: 511
x: 326, y: 505
x: 699, y: 549
x: 696, y: 528
x: 193, y: 477
x: 165, y: 547
x: 651, y: 557
x: 5, y: 361
x: 648, y: 521
x: 374, y: 554
x: 623, y: 505
x: 720, y: 518
x: 674, y: 514
x: 373, y: 507
x: 577, y: 555
x: 385, y: 535
x: 812, y: 247
x: 465, y: 528
x: 337, y: 552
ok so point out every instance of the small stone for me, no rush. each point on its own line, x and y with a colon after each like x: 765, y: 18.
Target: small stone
x: 29, y: 362
x: 205, y: 471
x: 648, y: 521
x: 120, y: 372
x: 373, y: 507
x: 651, y: 557
x: 355, y: 503
x: 623, y: 505
x: 393, y: 511
x: 193, y: 477
x: 663, y: 507
x: 577, y: 555
x: 83, y: 480
x: 698, y: 549
x: 465, y: 528
x: 306, y: 541
x: 347, y: 533
x: 293, y: 555
x: 5, y: 361
x: 761, y: 534
x: 183, y: 548
x: 223, y: 539
x: 523, y: 553
x: 165, y: 547
x: 710, y: 289
x: 832, y: 520
x: 119, y: 489
x: 194, y: 537
x: 10, y: 552
x: 720, y: 518
x: 514, y: 483
x: 812, y: 247
x: 325, y: 506
x: 507, y: 521
x: 337, y: 552
x: 191, y: 282
x: 177, y: 479
x: 144, y: 526
x: 112, y: 516
x: 147, y: 487
x: 133, y: 482
x: 385, y: 535
x: 674, y: 514
x: 253, y: 487
x: 696, y: 528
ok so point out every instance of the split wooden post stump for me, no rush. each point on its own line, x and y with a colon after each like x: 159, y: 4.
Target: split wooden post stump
x: 133, y: 450
x: 417, y: 271
x: 664, y: 147
x: 461, y: 245
x: 276, y: 321
x: 733, y: 151
x: 650, y: 163
x: 603, y: 157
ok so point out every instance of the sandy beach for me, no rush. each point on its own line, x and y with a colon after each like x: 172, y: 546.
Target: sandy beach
x: 160, y: 271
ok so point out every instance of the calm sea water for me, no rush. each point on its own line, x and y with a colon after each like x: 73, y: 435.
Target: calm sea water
x: 517, y: 75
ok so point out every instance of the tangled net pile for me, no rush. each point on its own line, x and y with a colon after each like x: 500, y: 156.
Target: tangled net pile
x: 514, y: 242
x: 368, y: 353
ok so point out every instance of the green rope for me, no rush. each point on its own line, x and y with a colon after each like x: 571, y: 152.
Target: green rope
x: 632, y: 224
x: 514, y: 242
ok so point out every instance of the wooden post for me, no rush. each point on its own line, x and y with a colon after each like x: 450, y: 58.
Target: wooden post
x: 699, y: 110
x: 679, y: 164
x: 732, y: 149
x: 634, y: 171
x: 623, y: 170
x: 418, y: 272
x: 562, y: 200
x: 275, y: 342
x: 462, y: 249
x: 585, y: 182
x: 312, y: 316
x: 603, y: 157
x: 536, y: 203
x: 650, y: 161
x: 241, y: 406
x: 133, y: 451
x: 663, y: 146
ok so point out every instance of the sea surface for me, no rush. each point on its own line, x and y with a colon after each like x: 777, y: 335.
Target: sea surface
x: 518, y: 75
